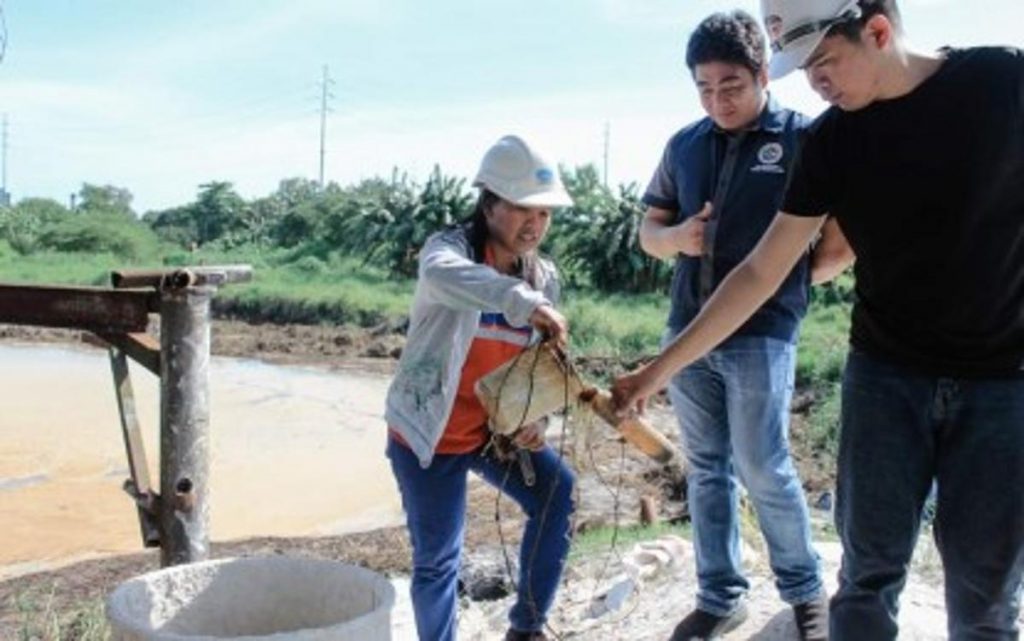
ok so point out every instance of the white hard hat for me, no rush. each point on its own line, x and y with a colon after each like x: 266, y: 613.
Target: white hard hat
x: 517, y: 173
x: 796, y: 28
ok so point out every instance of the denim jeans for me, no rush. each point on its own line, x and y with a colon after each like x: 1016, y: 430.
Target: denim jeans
x: 435, y: 505
x: 901, y: 431
x: 733, y: 410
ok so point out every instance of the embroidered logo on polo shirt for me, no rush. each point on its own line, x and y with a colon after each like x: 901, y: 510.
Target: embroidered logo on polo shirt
x: 769, y: 155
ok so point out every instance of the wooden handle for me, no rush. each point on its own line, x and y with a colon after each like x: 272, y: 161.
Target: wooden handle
x: 634, y: 429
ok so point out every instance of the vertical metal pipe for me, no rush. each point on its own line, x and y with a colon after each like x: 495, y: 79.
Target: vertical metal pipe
x: 184, y: 423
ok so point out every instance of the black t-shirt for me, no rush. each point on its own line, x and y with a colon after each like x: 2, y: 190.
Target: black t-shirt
x: 929, y: 190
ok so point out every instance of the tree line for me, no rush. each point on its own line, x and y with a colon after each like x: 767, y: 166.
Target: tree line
x: 381, y: 221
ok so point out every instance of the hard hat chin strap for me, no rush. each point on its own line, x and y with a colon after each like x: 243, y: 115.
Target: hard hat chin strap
x: 816, y: 26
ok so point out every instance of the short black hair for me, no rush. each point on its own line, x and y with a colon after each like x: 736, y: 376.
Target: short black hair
x: 851, y: 29
x: 734, y: 38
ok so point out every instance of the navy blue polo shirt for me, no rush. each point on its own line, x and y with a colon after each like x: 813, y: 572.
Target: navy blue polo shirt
x: 745, y: 174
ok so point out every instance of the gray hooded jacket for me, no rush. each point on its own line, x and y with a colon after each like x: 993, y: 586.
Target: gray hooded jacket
x: 450, y: 295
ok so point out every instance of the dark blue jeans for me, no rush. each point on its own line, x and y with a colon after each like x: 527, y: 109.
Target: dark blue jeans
x: 435, y: 506
x: 901, y: 431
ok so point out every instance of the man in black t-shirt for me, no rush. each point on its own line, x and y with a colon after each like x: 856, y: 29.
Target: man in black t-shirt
x: 921, y: 162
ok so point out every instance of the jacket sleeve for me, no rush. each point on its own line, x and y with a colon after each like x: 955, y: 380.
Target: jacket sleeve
x: 552, y: 283
x: 457, y: 282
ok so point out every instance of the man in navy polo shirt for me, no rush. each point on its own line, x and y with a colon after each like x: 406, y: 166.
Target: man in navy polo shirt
x: 718, y: 187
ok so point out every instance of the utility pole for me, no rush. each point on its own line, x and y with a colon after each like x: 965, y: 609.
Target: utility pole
x: 325, y: 93
x: 5, y: 196
x: 607, y: 135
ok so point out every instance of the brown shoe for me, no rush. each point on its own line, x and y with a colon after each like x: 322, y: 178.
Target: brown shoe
x: 812, y: 619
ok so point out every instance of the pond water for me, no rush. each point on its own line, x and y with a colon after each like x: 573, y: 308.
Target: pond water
x: 295, y: 451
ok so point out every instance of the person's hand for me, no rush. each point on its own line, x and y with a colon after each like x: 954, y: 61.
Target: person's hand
x: 531, y: 436
x: 549, y: 321
x: 630, y: 391
x: 688, y: 236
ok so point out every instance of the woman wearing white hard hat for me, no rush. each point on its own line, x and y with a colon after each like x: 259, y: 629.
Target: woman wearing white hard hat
x: 483, y: 295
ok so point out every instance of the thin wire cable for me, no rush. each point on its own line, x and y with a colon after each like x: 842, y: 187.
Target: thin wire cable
x: 531, y: 601
x: 569, y: 370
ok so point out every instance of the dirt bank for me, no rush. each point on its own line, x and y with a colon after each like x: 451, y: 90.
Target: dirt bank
x: 369, y: 349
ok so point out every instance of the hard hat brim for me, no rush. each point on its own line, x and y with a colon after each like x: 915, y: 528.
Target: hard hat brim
x: 794, y: 55
x: 556, y: 197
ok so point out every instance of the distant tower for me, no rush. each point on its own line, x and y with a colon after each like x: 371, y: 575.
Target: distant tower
x: 607, y: 137
x: 325, y: 95
x: 5, y: 196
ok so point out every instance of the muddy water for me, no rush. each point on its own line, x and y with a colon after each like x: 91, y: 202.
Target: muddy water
x: 295, y: 451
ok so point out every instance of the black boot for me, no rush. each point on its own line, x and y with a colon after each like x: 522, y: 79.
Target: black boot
x: 517, y: 635
x: 704, y: 626
x: 812, y: 619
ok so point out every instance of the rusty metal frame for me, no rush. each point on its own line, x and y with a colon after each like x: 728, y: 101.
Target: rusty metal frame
x: 175, y: 519
x: 90, y: 308
x: 138, y: 486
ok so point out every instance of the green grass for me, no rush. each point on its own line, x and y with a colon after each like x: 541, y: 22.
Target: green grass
x: 823, y: 423
x: 56, y: 268
x: 824, y: 337
x: 821, y: 356
x: 617, y: 326
x: 340, y: 291
x: 600, y: 540
x: 40, y: 618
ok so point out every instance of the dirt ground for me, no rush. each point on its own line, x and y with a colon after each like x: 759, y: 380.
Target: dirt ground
x: 612, y: 495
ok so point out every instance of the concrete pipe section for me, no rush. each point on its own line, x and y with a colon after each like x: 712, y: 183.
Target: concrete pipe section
x: 249, y: 599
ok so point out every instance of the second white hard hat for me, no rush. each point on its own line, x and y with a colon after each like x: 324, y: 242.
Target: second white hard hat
x: 796, y: 28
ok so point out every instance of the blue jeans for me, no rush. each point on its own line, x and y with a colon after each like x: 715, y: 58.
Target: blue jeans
x: 435, y: 506
x: 733, y: 410
x: 901, y: 431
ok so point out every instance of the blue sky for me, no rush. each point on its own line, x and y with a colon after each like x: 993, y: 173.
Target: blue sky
x: 159, y: 96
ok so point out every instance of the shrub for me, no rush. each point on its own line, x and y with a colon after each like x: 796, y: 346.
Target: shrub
x: 101, y: 233
x: 310, y: 265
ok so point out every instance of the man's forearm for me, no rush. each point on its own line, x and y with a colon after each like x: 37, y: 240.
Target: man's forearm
x: 656, y: 240
x: 832, y: 254
x: 825, y: 268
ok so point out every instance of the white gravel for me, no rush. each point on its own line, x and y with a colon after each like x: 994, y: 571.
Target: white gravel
x: 664, y: 573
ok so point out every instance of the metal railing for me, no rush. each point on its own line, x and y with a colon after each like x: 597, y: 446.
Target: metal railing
x: 176, y: 518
